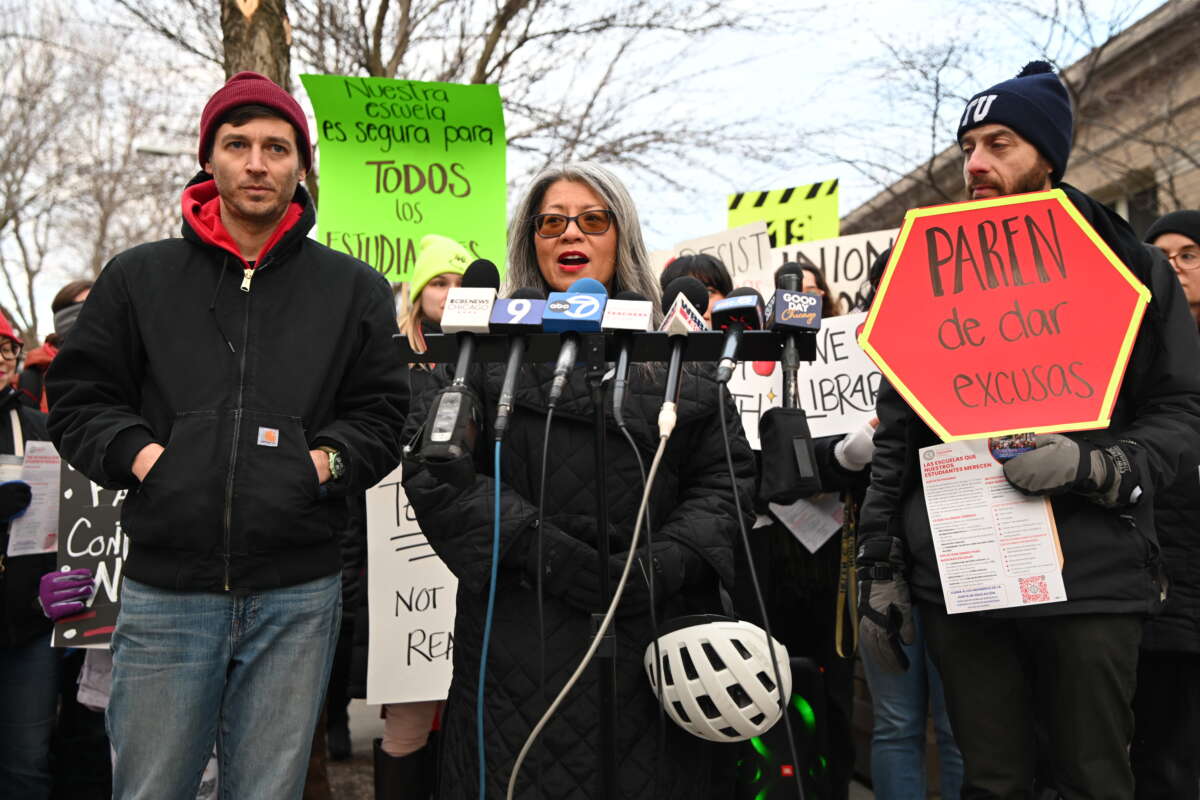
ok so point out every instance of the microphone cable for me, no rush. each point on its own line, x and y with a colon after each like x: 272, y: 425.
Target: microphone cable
x: 604, y: 624
x: 797, y: 767
x: 487, y: 623
x: 660, y: 744
x: 539, y: 588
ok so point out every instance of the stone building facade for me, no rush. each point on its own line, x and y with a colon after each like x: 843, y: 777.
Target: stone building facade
x: 1137, y: 136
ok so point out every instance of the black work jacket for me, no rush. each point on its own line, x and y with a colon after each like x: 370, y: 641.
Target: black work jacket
x: 238, y: 386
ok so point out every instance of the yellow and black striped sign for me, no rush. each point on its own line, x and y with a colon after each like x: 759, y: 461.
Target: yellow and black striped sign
x: 795, y: 214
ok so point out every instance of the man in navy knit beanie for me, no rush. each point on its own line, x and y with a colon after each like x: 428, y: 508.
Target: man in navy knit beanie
x: 1050, y: 682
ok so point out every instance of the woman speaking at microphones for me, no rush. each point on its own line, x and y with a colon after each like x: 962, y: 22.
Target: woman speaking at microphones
x: 576, y: 221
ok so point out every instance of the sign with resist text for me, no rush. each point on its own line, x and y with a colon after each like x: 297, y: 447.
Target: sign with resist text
x: 1005, y: 316
x: 400, y: 159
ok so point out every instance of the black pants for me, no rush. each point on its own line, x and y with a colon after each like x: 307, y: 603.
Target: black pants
x: 1166, y: 731
x: 1074, y: 674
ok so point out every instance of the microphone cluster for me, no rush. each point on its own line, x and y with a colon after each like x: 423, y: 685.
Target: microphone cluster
x: 585, y: 308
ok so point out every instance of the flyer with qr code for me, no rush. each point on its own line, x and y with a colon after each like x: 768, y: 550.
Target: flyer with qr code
x: 995, y: 547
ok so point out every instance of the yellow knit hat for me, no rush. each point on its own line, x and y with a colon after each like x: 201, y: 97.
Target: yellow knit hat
x: 439, y: 254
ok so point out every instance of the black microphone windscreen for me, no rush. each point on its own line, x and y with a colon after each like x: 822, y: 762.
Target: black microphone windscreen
x: 743, y: 291
x: 528, y: 293
x: 630, y: 294
x: 790, y: 268
x: 482, y: 274
x: 689, y: 287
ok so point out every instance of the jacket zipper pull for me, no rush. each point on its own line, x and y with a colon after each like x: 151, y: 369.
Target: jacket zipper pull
x: 247, y: 274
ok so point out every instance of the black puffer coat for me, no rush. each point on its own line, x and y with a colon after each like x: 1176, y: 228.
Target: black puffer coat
x: 692, y: 505
x: 1111, y: 558
x: 1177, y: 519
x: 21, y: 618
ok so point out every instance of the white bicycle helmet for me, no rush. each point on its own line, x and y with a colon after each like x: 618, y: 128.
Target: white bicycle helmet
x: 717, y: 678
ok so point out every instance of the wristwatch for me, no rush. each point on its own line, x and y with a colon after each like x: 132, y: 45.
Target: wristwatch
x: 337, y: 466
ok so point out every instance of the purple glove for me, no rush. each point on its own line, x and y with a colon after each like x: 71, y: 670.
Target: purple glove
x: 62, y: 594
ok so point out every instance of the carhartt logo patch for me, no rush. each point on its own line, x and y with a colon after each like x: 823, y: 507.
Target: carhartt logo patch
x: 268, y: 437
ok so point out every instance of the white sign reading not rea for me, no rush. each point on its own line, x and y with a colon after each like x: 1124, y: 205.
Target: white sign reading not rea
x: 412, y: 598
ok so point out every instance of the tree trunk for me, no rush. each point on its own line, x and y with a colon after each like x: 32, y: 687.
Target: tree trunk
x: 258, y: 37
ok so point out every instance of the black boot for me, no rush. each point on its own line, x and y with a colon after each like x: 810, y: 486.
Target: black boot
x: 337, y: 738
x: 400, y: 777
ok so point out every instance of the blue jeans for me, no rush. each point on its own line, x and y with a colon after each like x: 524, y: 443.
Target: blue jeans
x: 28, y: 707
x: 900, y: 704
x: 247, y: 671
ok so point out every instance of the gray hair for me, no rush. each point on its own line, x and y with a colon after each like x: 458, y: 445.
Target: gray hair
x: 632, y: 270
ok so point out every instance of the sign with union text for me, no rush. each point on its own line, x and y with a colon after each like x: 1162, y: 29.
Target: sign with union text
x: 1005, y: 316
x: 400, y: 159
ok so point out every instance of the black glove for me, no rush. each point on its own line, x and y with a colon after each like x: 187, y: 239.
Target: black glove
x: 568, y: 563
x: 884, y: 605
x: 668, y: 570
x: 1060, y: 464
x: 14, y: 499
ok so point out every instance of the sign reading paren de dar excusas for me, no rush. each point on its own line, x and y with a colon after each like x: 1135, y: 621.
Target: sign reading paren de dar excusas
x: 1005, y: 316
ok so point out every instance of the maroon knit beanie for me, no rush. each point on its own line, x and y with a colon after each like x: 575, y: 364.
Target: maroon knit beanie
x: 250, y: 88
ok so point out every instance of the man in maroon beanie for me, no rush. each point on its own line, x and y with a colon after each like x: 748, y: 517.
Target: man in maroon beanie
x: 238, y: 383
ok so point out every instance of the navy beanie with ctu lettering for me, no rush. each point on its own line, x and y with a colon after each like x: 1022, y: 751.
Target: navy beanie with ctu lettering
x: 1036, y: 105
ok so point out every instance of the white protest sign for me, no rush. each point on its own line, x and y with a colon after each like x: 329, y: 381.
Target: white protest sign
x: 412, y: 597
x: 837, y: 390
x: 845, y: 262
x: 36, y: 531
x: 744, y: 250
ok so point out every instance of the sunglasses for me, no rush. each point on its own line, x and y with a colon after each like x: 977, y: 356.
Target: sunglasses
x: 593, y: 223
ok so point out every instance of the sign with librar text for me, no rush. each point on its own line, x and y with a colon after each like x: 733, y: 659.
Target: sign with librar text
x: 400, y: 159
x: 837, y: 390
x: 1005, y: 316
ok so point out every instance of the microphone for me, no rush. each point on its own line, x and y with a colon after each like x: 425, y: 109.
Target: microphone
x: 741, y: 311
x: 517, y: 316
x: 790, y: 311
x: 451, y: 426
x: 468, y: 310
x: 580, y: 309
x: 626, y: 313
x: 684, y: 302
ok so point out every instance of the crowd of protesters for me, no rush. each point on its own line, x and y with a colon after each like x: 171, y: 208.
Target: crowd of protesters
x: 244, y: 386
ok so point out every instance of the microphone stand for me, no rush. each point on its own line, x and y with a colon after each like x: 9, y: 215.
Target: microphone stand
x: 790, y: 362
x: 606, y: 655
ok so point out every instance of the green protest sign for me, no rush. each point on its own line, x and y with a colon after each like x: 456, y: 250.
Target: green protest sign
x: 402, y: 159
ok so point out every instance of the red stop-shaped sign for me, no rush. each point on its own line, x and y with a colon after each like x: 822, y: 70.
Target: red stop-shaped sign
x: 1005, y: 316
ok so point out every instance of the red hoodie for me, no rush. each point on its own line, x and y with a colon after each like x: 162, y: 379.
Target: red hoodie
x: 202, y: 211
